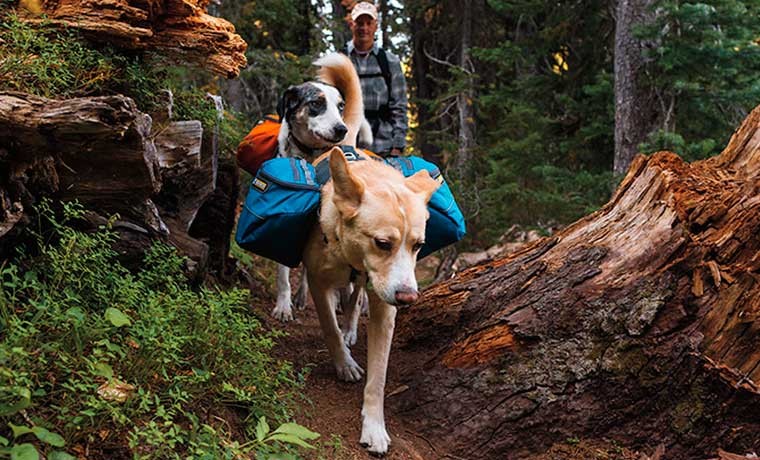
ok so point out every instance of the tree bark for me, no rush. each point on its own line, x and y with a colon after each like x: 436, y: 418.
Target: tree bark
x: 635, y: 114
x: 385, y: 25
x: 96, y: 150
x: 105, y: 153
x: 180, y: 30
x: 341, y: 32
x: 466, y: 138
x: 637, y: 323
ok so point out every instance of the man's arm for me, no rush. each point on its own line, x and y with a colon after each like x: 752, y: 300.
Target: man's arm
x: 398, y: 106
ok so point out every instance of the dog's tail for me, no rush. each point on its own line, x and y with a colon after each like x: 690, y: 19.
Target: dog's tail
x: 336, y: 69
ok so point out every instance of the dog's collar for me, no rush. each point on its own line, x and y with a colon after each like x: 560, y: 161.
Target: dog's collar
x: 310, y: 152
x: 354, y: 274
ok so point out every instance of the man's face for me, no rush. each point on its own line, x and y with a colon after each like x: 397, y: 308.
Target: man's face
x: 364, y: 29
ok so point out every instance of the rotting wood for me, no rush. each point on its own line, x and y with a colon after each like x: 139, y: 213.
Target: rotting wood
x: 101, y: 152
x: 178, y: 30
x: 636, y: 323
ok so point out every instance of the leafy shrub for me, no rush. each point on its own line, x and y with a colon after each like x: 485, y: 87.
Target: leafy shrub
x: 49, y: 62
x: 93, y: 356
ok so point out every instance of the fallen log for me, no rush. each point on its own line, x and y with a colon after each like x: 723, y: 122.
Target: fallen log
x: 104, y: 153
x: 179, y: 30
x: 189, y: 161
x: 638, y: 323
x: 93, y: 149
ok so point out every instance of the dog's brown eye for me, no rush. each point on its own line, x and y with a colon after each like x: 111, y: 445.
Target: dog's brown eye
x: 315, y: 104
x: 417, y: 246
x: 383, y: 245
x: 341, y: 106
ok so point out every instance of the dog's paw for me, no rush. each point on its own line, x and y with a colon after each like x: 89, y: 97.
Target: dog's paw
x: 364, y: 303
x: 349, y: 371
x: 302, y: 298
x: 374, y: 437
x: 282, y: 311
x: 349, y: 338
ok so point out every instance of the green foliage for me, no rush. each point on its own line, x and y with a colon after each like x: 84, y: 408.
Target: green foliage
x: 88, y: 349
x: 703, y: 66
x: 272, y: 24
x: 544, y: 88
x: 50, y: 62
x: 544, y: 107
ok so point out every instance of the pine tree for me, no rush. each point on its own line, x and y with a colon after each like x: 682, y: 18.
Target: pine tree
x: 705, y: 70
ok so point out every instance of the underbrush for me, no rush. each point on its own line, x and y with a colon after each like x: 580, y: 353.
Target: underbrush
x: 98, y: 362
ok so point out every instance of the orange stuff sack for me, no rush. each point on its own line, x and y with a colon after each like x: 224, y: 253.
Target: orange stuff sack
x: 259, y: 145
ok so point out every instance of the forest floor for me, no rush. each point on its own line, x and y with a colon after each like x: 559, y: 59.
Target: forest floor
x: 333, y: 407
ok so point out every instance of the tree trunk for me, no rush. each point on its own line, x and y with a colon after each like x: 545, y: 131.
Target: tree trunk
x: 384, y: 23
x: 635, y: 114
x: 340, y: 30
x: 304, y: 9
x: 466, y: 139
x: 638, y: 323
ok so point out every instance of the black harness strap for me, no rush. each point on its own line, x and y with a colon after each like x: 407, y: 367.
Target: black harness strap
x: 323, y: 167
x: 306, y: 150
x: 384, y: 112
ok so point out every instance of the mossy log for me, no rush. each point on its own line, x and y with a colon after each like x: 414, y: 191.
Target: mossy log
x: 94, y: 149
x: 177, y: 29
x: 637, y: 323
x: 104, y: 153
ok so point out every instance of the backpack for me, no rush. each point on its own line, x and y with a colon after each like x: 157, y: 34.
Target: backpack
x: 259, y: 145
x: 283, y: 200
x: 446, y: 223
x: 384, y: 112
x: 279, y: 210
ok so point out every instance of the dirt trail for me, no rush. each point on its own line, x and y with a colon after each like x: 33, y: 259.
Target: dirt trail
x: 336, y: 405
x: 334, y: 408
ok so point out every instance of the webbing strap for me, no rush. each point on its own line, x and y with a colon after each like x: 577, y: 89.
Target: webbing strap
x: 385, y: 72
x: 323, y: 167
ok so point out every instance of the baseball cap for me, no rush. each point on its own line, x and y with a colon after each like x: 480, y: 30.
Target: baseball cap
x: 363, y: 8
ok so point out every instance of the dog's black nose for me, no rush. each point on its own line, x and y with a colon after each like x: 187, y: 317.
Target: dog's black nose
x: 339, y: 132
x: 406, y: 296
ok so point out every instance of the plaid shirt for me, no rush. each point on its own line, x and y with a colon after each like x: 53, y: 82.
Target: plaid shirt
x: 389, y: 134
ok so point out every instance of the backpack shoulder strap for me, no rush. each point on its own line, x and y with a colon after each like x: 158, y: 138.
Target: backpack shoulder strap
x: 385, y: 68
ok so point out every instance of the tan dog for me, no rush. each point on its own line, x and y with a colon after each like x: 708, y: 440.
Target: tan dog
x: 372, y: 221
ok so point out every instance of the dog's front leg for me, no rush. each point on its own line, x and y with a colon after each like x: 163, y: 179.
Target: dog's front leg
x: 382, y: 320
x: 283, y: 308
x: 302, y: 295
x: 352, y: 310
x: 325, y: 300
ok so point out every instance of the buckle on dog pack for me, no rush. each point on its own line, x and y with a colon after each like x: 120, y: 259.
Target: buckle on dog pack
x: 350, y: 153
x: 323, y: 167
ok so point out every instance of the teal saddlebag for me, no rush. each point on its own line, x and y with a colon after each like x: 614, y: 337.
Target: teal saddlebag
x: 446, y: 223
x: 279, y: 211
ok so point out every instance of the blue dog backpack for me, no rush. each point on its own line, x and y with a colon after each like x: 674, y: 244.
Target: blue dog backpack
x: 279, y: 211
x: 446, y: 223
x: 283, y: 199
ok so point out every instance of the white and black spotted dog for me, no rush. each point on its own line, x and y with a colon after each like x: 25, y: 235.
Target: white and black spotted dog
x: 312, y: 122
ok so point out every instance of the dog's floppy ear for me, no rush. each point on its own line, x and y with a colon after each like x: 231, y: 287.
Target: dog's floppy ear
x: 422, y: 184
x: 348, y: 189
x: 288, y: 102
